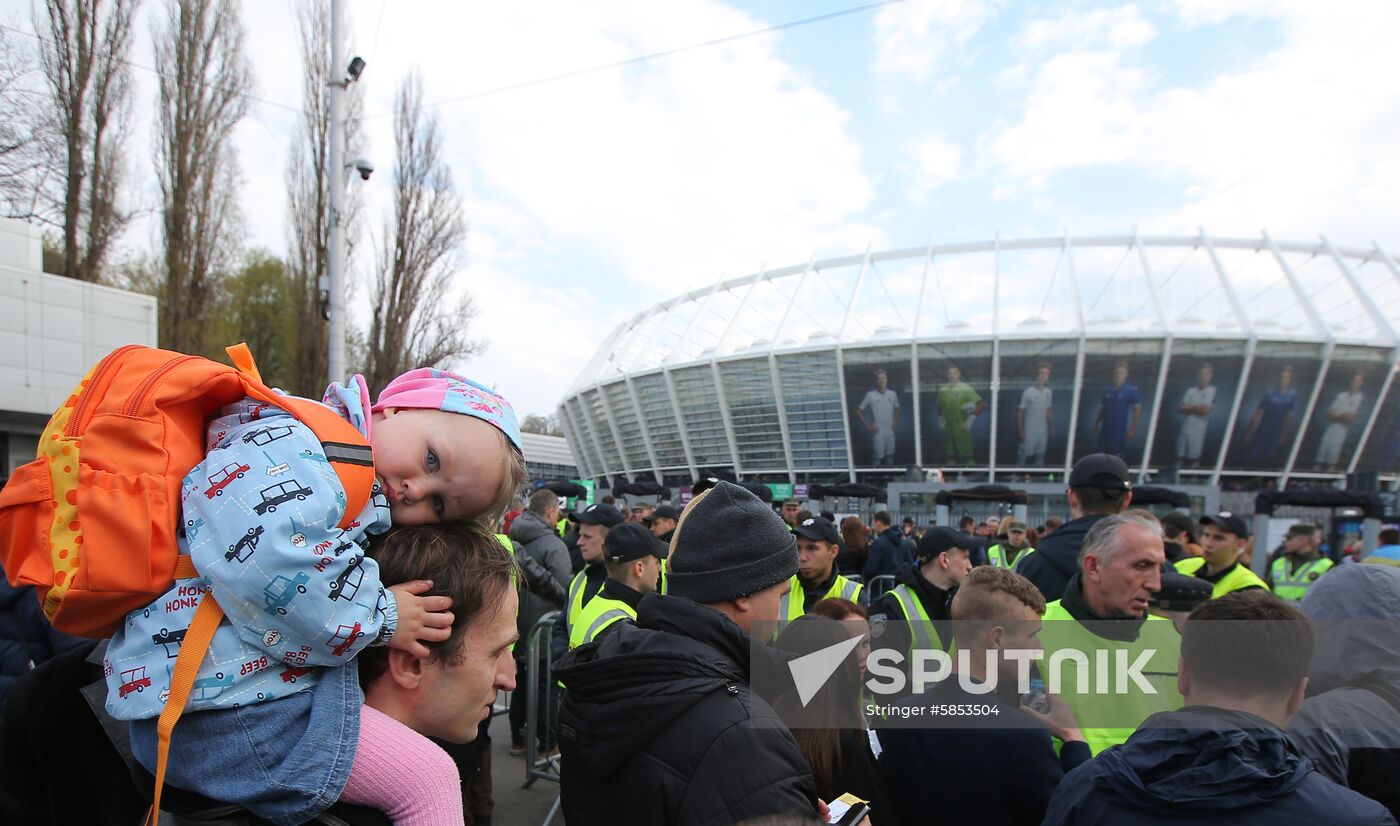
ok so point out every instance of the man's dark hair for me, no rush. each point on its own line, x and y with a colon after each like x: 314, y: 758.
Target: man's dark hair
x: 1099, y: 501
x: 1176, y: 523
x: 542, y: 500
x: 1390, y: 536
x: 966, y: 522
x: 883, y: 516
x: 464, y: 561
x: 609, y: 500
x: 1265, y: 654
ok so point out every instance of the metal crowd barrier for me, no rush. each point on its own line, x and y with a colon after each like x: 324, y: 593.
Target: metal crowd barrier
x: 537, y: 766
x: 879, y: 585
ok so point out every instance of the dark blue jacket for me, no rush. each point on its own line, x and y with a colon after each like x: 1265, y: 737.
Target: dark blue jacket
x: 26, y: 638
x: 989, y: 769
x: 1204, y: 765
x: 1056, y: 557
x: 887, y: 554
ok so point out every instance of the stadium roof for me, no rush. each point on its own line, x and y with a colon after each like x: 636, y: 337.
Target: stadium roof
x: 1105, y: 286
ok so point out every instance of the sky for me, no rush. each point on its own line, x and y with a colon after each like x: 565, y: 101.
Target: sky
x: 592, y: 197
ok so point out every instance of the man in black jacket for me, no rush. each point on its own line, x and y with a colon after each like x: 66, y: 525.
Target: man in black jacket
x: 658, y: 724
x: 1099, y: 486
x: 887, y: 552
x: 944, y: 768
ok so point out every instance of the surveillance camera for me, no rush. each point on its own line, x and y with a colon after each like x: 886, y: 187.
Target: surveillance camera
x: 364, y: 167
x: 352, y: 72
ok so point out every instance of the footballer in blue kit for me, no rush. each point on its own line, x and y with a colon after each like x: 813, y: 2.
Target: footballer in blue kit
x: 1120, y: 411
x: 1271, y: 422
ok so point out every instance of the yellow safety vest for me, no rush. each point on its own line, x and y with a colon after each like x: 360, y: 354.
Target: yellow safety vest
x: 514, y: 582
x: 1239, y: 577
x: 1061, y: 630
x: 1295, y: 585
x: 790, y: 609
x: 578, y: 586
x: 996, y: 555
x: 598, y: 614
x: 923, y: 634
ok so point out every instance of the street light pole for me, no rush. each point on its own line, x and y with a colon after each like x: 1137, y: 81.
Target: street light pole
x: 335, y: 362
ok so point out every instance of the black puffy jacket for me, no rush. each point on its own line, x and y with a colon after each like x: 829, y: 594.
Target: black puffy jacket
x: 1204, y: 765
x: 658, y: 726
x: 26, y: 638
x: 1056, y: 557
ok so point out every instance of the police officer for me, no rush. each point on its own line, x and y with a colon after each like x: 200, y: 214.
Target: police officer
x: 1005, y: 554
x: 816, y: 579
x: 1300, y: 565
x: 1223, y: 540
x: 915, y: 613
x: 632, y: 558
x: 594, y: 522
x: 662, y: 522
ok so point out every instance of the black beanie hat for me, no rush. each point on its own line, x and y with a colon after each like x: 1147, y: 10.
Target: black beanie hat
x: 728, y: 545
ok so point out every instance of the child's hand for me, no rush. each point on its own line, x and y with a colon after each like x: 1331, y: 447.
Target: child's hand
x: 420, y: 618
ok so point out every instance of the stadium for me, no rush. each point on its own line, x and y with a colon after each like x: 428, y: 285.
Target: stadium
x: 1243, y: 363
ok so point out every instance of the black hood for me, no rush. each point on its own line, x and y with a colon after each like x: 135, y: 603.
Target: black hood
x: 1060, y: 549
x: 628, y: 687
x: 1201, y: 759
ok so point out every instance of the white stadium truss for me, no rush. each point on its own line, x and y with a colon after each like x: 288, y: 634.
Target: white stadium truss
x: 731, y: 358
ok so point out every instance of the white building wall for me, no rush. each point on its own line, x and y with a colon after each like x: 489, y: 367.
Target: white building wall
x: 52, y: 330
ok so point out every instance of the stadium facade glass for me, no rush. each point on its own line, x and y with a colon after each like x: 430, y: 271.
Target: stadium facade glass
x: 1194, y: 358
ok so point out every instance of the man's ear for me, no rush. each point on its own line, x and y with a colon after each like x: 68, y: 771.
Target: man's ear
x: 1091, y: 567
x: 1295, y: 700
x: 1183, y: 677
x: 741, y: 605
x: 405, y: 669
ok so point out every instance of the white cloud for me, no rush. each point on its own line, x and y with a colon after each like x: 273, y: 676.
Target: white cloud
x: 1299, y: 141
x: 935, y: 161
x: 634, y: 184
x: 912, y: 37
x: 1118, y: 28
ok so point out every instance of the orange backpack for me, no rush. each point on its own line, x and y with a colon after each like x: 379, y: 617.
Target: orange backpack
x: 91, y: 522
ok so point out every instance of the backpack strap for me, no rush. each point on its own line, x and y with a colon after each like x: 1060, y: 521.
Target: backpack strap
x: 201, y: 632
x: 347, y: 451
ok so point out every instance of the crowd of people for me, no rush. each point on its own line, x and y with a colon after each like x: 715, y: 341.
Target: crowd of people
x: 676, y: 695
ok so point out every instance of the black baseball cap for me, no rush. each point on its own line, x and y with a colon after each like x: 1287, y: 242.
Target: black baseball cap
x: 937, y: 540
x: 663, y: 512
x: 1229, y: 523
x: 818, y: 528
x: 629, y: 540
x: 1101, y: 470
x: 605, y: 515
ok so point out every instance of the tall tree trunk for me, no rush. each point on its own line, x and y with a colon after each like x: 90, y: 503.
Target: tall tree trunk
x: 204, y: 80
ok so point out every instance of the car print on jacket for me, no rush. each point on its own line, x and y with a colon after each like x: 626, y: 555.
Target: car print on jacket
x: 134, y: 679
x: 277, y: 494
x: 170, y: 640
x: 208, y: 688
x: 224, y: 478
x: 347, y: 584
x: 280, y: 592
x: 343, y: 638
x: 246, y: 544
x: 266, y: 435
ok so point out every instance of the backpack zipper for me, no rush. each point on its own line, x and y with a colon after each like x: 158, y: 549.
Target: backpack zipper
x: 144, y: 390
x: 79, y: 416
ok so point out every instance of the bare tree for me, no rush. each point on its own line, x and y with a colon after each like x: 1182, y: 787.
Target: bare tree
x: 204, y: 77
x: 21, y: 147
x: 414, y: 324
x: 84, y: 51
x: 308, y: 193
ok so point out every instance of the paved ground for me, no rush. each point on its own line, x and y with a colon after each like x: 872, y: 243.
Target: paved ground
x: 516, y: 806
